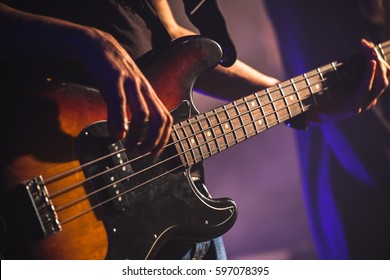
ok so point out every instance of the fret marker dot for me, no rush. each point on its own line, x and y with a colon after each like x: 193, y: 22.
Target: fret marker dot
x: 260, y: 122
x: 192, y: 141
x: 226, y: 126
x: 253, y: 103
x: 317, y: 87
x: 291, y: 97
x: 208, y: 133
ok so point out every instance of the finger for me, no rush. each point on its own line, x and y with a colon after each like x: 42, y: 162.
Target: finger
x: 139, y: 112
x: 365, y: 86
x: 372, y: 104
x: 380, y: 82
x: 160, y: 122
x: 366, y: 43
x: 157, y: 150
x: 161, y: 132
x: 363, y: 93
x: 383, y: 73
x: 117, y: 120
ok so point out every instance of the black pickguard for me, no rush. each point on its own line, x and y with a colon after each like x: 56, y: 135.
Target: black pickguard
x: 142, y: 213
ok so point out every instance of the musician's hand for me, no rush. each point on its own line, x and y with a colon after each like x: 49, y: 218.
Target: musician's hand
x: 120, y: 81
x: 376, y: 78
x: 122, y: 84
x: 375, y: 81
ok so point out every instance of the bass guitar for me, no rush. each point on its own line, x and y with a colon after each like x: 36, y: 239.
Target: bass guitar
x: 69, y: 191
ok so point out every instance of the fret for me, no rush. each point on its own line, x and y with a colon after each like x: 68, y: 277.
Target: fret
x: 385, y: 49
x: 266, y: 107
x: 181, y: 147
x: 229, y: 126
x: 382, y: 52
x: 304, y: 92
x: 220, y: 135
x: 241, y: 130
x: 315, y: 81
x: 252, y: 122
x: 338, y: 76
x: 236, y: 121
x: 211, y: 134
x: 290, y: 98
x: 310, y: 89
x: 324, y: 86
x: 264, y: 117
x: 297, y: 95
x: 332, y: 83
x: 246, y: 116
x: 191, y: 142
x: 257, y: 113
x: 278, y: 100
x: 284, y: 99
x: 204, y: 127
x: 275, y: 111
x: 197, y: 137
x: 317, y: 86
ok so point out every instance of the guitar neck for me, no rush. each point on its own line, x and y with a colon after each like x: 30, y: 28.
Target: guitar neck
x: 211, y: 132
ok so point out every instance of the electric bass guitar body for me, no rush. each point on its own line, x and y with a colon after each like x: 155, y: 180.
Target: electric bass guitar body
x: 69, y: 191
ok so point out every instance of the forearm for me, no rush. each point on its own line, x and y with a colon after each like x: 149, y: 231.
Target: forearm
x: 227, y: 83
x: 234, y: 82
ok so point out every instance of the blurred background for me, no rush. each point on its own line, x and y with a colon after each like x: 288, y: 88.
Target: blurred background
x: 261, y: 174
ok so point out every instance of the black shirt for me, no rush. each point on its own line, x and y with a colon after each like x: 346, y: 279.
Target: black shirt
x: 132, y: 22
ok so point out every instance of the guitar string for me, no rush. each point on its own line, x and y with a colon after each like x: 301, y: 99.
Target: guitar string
x: 191, y: 149
x: 201, y: 156
x: 381, y: 48
x: 187, y: 124
x: 127, y: 191
x: 74, y: 170
x: 62, y: 207
x: 238, y: 116
x: 235, y: 129
x: 263, y: 94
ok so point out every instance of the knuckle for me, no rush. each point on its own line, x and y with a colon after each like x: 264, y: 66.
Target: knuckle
x: 142, y: 115
x: 169, y: 120
x: 386, y: 83
x: 166, y: 119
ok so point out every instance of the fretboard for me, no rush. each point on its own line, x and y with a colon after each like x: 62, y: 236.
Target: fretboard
x: 212, y: 132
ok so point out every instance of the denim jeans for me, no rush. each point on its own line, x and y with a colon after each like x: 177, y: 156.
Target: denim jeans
x: 209, y: 250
